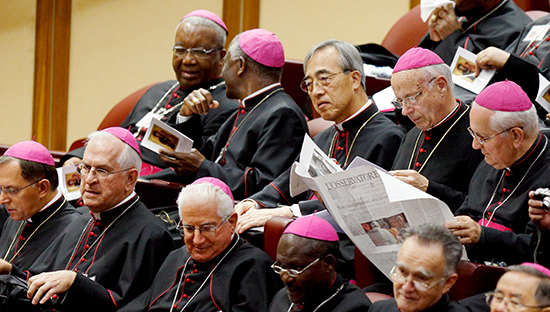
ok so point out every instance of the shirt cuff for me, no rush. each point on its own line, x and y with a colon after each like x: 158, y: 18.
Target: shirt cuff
x: 295, y: 209
x: 182, y: 119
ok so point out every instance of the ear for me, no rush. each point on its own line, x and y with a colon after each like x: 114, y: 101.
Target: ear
x: 441, y: 83
x: 517, y: 136
x: 449, y: 282
x: 241, y: 66
x: 330, y: 262
x: 233, y: 221
x: 133, y: 175
x: 223, y: 52
x: 44, y: 187
x: 356, y: 76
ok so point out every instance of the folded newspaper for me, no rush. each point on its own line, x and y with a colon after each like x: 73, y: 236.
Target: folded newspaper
x: 371, y: 206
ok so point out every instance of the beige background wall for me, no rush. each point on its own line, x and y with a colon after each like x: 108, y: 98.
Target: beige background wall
x: 119, y: 46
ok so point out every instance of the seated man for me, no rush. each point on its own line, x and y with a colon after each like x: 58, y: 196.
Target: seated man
x: 335, y: 84
x: 525, y: 286
x: 38, y: 211
x: 306, y: 259
x: 216, y: 270
x: 424, y: 272
x: 259, y: 141
x: 436, y: 156
x: 106, y: 258
x: 197, y: 61
x: 485, y: 23
x: 504, y: 125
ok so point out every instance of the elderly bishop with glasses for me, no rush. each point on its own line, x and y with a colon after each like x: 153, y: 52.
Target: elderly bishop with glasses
x: 307, y: 256
x: 216, y: 270
x: 493, y: 220
x: 436, y: 156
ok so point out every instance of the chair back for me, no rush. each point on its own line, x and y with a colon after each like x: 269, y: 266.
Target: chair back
x: 406, y: 32
x: 273, y: 230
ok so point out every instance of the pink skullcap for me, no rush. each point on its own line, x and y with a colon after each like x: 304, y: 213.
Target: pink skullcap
x: 125, y: 136
x: 216, y: 182
x: 504, y: 96
x: 312, y: 226
x: 538, y: 267
x: 416, y: 58
x: 263, y: 47
x: 208, y: 15
x: 31, y: 151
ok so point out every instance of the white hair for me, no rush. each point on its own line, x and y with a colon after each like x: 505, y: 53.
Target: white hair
x: 207, y: 193
x: 221, y: 34
x: 527, y: 120
x: 129, y: 158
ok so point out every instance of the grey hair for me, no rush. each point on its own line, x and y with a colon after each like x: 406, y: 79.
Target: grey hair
x: 528, y: 120
x: 542, y: 293
x: 221, y: 34
x: 129, y: 158
x: 432, y: 71
x: 348, y: 56
x: 32, y: 171
x: 206, y: 192
x: 431, y: 234
x: 265, y: 74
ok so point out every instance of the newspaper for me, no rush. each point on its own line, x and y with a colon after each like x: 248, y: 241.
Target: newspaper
x: 374, y: 209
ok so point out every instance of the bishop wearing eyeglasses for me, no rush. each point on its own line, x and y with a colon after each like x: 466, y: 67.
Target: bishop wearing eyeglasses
x: 216, y: 270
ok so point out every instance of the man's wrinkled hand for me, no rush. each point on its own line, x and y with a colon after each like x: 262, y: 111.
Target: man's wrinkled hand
x: 466, y: 229
x: 198, y: 102
x: 491, y: 58
x: 412, y: 178
x: 258, y: 217
x: 442, y: 23
x: 182, y: 163
x: 44, y: 286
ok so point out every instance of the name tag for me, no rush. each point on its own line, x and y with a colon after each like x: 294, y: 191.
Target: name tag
x: 537, y: 33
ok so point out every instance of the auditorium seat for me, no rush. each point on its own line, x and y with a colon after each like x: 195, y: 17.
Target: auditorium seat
x: 406, y: 32
x: 273, y: 230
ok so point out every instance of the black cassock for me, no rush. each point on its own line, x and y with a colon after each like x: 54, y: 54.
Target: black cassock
x: 498, y: 28
x: 340, y: 297
x: 31, y: 239
x: 205, y: 126
x: 501, y: 196
x: 376, y: 140
x: 444, y: 155
x: 260, y: 141
x: 113, y: 267
x: 239, y: 279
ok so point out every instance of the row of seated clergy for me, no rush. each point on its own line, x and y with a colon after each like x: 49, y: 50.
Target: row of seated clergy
x: 255, y: 143
x: 108, y: 255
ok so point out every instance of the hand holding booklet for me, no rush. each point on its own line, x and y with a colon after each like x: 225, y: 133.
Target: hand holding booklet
x: 371, y: 206
x: 161, y: 135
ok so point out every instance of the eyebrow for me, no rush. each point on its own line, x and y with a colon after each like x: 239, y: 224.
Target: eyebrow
x: 420, y: 270
x: 320, y: 71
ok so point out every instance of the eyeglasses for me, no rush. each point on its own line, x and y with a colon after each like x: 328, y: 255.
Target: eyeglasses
x: 324, y: 80
x: 513, y: 303
x: 195, y: 52
x: 410, y: 100
x: 12, y: 192
x: 205, y: 230
x: 101, y: 174
x: 398, y: 277
x: 483, y: 140
x: 291, y: 272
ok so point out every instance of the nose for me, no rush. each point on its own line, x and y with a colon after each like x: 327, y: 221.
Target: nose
x: 406, y: 110
x: 475, y: 144
x: 188, y: 58
x: 3, y: 198
x: 198, y: 238
x: 316, y: 88
x: 90, y: 177
x: 408, y: 285
x: 287, y: 279
x: 500, y: 306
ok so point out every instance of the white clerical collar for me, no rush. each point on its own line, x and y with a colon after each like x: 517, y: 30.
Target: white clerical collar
x: 260, y: 91
x: 97, y: 215
x: 340, y: 126
x: 54, y: 199
x: 446, y: 117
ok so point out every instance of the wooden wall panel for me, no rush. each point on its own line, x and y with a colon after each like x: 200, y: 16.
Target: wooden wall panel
x: 51, y: 72
x: 240, y: 15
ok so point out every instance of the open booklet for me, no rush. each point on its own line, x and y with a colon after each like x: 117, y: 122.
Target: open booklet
x: 69, y: 182
x: 159, y: 134
x: 463, y: 71
x: 372, y: 207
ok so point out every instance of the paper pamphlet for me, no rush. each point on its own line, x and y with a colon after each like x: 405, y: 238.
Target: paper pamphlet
x: 313, y: 163
x: 162, y: 135
x: 463, y: 70
x: 383, y: 99
x: 374, y: 209
x: 69, y: 182
x: 543, y: 96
